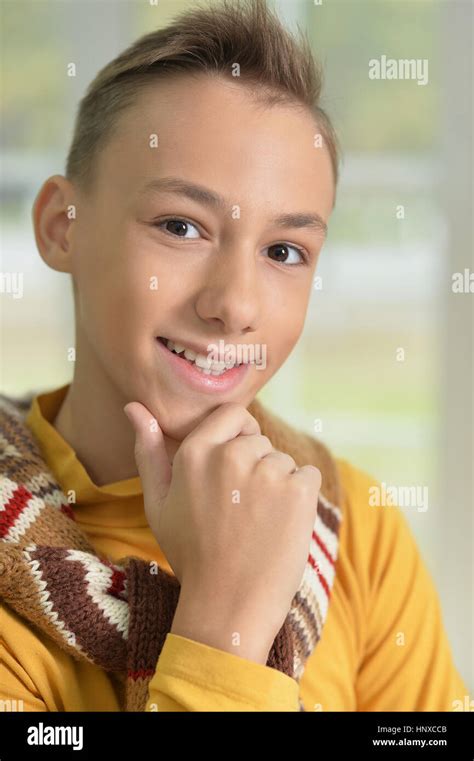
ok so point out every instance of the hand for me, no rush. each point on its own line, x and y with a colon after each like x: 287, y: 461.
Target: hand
x: 234, y: 518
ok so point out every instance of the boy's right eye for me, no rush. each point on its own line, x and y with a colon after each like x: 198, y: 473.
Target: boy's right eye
x: 177, y: 227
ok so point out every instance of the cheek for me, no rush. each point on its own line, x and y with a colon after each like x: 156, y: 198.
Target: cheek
x: 286, y: 323
x: 114, y: 276
x: 286, y: 336
x: 281, y: 332
x: 117, y: 307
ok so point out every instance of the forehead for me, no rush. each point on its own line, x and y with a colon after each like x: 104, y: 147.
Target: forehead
x: 215, y: 132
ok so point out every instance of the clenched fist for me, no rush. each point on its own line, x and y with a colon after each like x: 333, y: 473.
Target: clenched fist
x: 234, y: 518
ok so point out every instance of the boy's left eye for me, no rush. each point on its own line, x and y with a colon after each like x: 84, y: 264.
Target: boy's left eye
x: 282, y: 251
x: 178, y: 227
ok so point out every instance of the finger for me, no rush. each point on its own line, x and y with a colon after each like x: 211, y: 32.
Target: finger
x: 150, y: 452
x: 223, y: 424
x: 281, y: 460
x: 310, y: 473
x: 249, y: 448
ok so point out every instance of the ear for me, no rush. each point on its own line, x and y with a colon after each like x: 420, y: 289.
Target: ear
x: 53, y: 213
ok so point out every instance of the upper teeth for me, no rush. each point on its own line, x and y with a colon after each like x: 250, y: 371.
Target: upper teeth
x: 208, y: 366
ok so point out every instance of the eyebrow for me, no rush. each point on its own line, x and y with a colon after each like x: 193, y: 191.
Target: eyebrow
x: 208, y: 197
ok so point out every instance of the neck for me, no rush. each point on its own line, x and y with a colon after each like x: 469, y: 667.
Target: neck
x: 92, y: 421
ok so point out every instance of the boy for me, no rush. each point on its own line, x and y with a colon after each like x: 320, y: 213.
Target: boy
x: 198, y: 190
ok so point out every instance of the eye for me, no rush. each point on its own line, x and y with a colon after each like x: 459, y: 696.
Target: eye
x: 282, y: 254
x: 178, y: 227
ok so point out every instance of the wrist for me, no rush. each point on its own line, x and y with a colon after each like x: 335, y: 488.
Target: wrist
x: 213, y: 626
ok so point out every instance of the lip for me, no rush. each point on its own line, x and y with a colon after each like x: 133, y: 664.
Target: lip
x: 189, y: 345
x: 197, y: 379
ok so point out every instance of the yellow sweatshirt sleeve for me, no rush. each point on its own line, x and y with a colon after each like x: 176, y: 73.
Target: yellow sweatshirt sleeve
x: 17, y: 690
x: 407, y: 662
x: 38, y: 675
x: 192, y: 676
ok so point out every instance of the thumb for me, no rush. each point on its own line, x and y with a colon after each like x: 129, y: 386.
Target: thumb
x: 150, y: 453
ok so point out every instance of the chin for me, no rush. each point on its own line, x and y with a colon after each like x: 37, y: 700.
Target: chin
x: 178, y: 419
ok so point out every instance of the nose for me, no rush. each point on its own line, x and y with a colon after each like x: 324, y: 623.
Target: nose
x: 230, y: 297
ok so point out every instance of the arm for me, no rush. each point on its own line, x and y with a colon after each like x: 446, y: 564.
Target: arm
x: 238, y: 572
x: 191, y: 676
x: 35, y: 670
x: 17, y: 690
x: 407, y: 663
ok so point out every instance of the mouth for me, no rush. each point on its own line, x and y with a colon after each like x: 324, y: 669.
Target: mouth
x: 199, y: 360
x: 198, y: 370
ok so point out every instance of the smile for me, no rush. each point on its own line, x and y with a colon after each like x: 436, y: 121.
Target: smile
x: 201, y: 361
x: 198, y: 370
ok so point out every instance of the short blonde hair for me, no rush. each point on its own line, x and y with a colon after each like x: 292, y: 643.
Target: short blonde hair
x: 276, y: 66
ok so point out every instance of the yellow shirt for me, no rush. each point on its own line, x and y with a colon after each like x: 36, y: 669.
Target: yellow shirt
x: 383, y: 646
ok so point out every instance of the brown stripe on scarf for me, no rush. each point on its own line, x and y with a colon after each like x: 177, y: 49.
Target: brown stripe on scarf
x: 68, y: 592
x: 328, y: 517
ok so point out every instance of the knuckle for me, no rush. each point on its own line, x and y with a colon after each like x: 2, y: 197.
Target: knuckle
x: 306, y: 482
x: 312, y: 475
x: 301, y: 486
x: 228, y: 453
x: 284, y: 459
x: 188, y: 451
x: 268, y: 467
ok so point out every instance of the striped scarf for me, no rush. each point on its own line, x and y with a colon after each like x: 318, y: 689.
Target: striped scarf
x: 117, y: 615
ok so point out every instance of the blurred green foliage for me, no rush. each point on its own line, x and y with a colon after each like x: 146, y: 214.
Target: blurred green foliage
x: 32, y: 76
x: 377, y: 115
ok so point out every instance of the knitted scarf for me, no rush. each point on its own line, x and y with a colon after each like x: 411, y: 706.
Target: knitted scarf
x: 117, y: 614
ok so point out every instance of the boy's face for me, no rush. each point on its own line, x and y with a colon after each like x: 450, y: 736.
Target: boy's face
x: 220, y: 276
